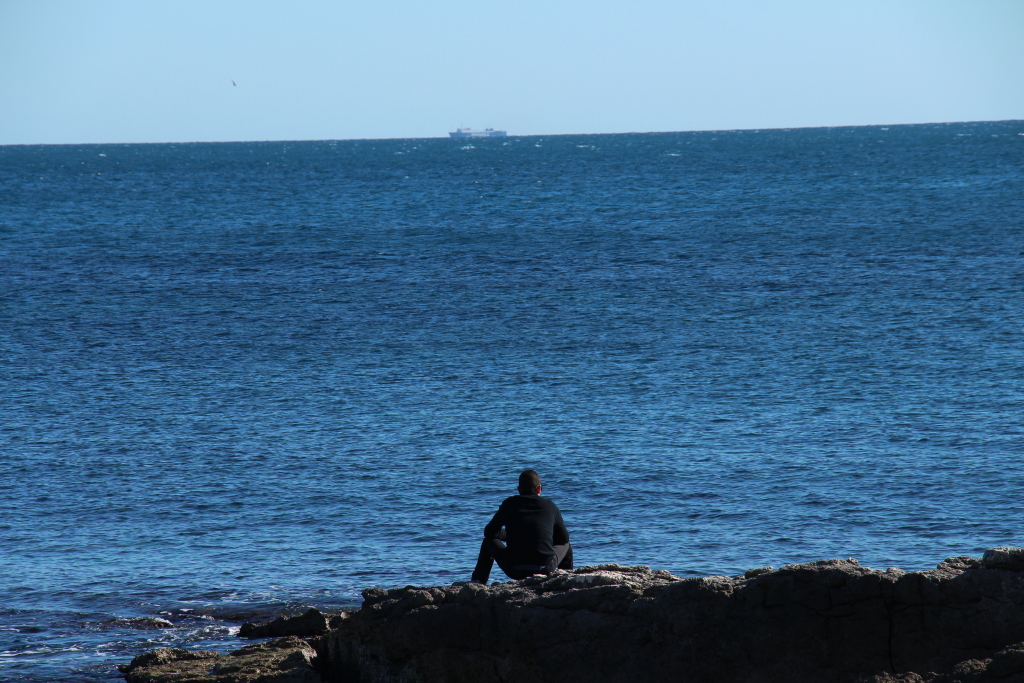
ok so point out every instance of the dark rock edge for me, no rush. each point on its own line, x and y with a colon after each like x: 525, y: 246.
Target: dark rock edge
x: 818, y: 622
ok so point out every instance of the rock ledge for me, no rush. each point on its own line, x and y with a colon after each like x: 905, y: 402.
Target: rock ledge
x: 820, y: 622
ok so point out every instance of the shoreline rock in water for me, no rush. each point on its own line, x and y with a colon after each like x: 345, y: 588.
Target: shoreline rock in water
x: 820, y: 622
x: 311, y: 623
x: 283, y: 660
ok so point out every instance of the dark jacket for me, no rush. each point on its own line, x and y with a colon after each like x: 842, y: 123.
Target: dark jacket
x: 532, y: 526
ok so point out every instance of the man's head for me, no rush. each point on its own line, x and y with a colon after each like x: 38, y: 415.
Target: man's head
x: 529, y: 483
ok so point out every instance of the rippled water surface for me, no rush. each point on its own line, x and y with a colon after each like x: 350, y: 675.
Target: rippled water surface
x: 238, y: 379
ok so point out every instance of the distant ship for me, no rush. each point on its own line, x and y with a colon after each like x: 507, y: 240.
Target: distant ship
x: 485, y: 133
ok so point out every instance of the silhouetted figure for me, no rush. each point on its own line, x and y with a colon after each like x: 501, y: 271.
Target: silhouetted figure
x: 538, y: 542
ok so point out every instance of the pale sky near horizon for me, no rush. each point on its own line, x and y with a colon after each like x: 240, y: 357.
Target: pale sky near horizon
x: 162, y: 70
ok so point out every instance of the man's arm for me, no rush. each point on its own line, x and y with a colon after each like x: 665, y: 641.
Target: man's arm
x: 560, y: 535
x: 493, y: 528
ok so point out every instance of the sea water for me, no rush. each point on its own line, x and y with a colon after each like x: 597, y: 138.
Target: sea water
x: 239, y: 379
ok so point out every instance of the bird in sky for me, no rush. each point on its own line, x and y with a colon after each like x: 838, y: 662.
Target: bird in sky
x: 233, y: 82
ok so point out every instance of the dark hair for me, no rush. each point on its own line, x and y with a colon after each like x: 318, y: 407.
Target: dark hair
x: 529, y: 481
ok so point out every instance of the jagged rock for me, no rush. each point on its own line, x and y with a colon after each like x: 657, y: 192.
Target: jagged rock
x: 1004, y: 558
x: 337, y: 620
x: 285, y: 660
x: 311, y: 623
x: 757, y: 571
x: 820, y: 622
x: 165, y: 655
x: 831, y: 621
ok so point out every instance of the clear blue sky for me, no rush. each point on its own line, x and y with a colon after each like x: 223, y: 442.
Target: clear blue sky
x: 162, y: 70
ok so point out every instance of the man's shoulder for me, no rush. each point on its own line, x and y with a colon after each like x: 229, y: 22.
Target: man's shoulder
x: 521, y: 501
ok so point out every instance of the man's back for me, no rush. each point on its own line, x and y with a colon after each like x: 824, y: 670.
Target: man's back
x: 533, y: 526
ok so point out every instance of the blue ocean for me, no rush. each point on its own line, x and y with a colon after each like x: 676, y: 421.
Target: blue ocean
x: 240, y: 379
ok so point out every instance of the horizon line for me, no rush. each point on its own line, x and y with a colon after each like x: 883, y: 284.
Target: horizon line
x: 517, y: 135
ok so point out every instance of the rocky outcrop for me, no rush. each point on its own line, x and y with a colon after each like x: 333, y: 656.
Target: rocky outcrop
x: 312, y: 623
x: 821, y: 622
x: 284, y: 660
x: 824, y: 621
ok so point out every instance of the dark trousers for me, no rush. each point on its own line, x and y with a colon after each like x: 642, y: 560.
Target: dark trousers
x: 493, y: 550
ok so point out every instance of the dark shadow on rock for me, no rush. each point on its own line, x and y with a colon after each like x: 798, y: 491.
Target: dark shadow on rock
x: 311, y: 623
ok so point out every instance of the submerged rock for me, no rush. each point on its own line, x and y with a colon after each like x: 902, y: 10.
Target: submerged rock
x: 138, y: 623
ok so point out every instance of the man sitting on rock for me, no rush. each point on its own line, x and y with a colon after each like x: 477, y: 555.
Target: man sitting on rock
x: 538, y: 541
